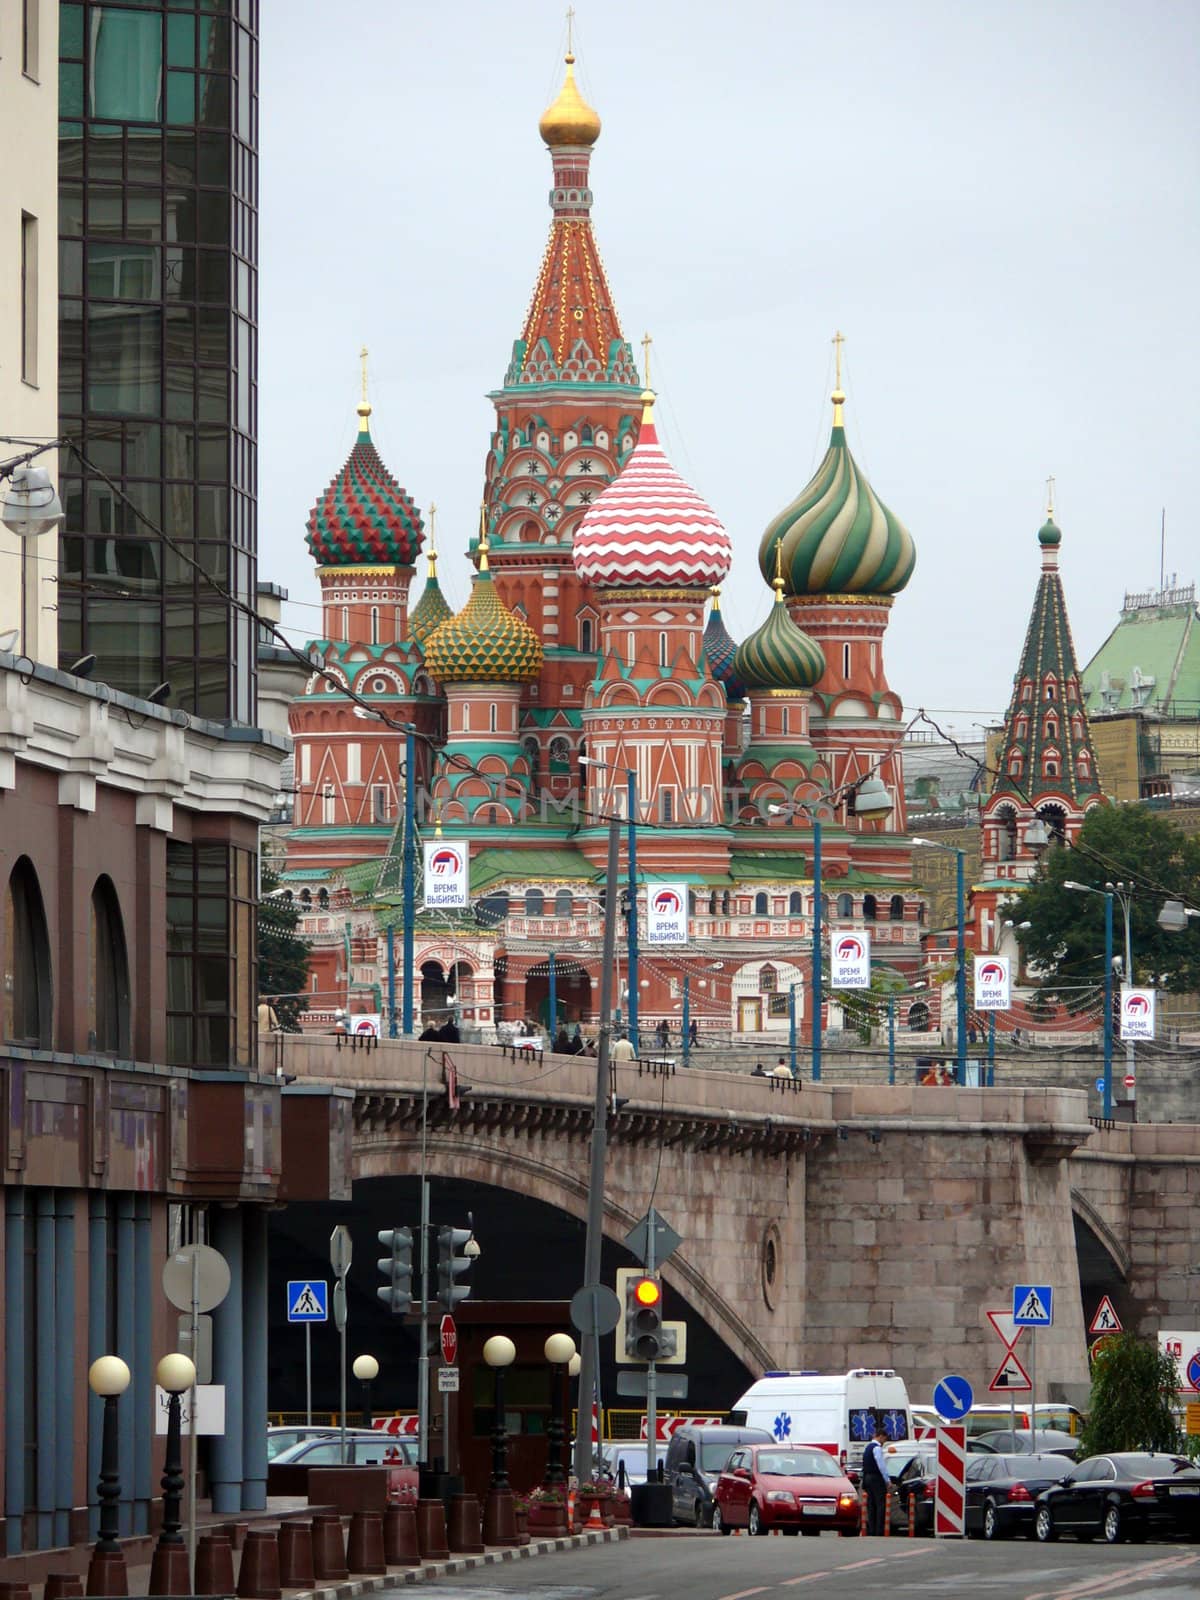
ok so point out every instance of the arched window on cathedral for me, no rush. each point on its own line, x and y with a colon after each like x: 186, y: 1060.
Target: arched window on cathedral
x: 28, y: 991
x: 845, y: 905
x: 345, y: 622
x: 1052, y: 727
x: 374, y: 624
x: 725, y: 903
x: 564, y: 904
x: 1083, y: 765
x: 1022, y: 729
x: 896, y: 908
x: 1006, y: 834
x: 1051, y: 767
x: 845, y: 661
x: 306, y: 899
x: 585, y: 635
x: 760, y: 905
x: 795, y: 904
x: 629, y: 649
x: 492, y: 717
x: 322, y: 899
x: 662, y: 650
x: 1026, y: 689
x: 1015, y: 763
x: 535, y: 903
x: 1051, y: 691
x: 869, y: 908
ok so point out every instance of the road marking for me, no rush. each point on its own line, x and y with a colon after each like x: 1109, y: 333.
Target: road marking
x: 1113, y: 1580
x: 742, y: 1593
x: 809, y: 1577
x: 853, y: 1566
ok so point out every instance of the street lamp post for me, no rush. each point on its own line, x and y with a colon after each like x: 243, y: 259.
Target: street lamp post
x: 631, y: 929
x: 499, y: 1513
x: 408, y: 876
x: 687, y: 1019
x: 169, y: 1572
x: 1107, y: 895
x: 560, y: 1351
x: 960, y: 954
x: 108, y: 1377
x: 366, y: 1370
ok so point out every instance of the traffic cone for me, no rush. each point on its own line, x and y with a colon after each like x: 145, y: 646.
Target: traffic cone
x: 595, y: 1520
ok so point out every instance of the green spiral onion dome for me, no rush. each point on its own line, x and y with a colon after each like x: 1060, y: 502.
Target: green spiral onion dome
x: 838, y: 536
x: 779, y: 655
x: 432, y: 609
x: 485, y: 642
x: 720, y: 649
x: 364, y: 518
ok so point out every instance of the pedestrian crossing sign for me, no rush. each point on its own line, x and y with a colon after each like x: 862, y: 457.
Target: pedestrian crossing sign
x: 1033, y: 1305
x: 1106, y: 1319
x: 308, y: 1300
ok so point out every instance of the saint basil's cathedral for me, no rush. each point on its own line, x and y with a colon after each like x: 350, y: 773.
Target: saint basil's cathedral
x: 592, y: 646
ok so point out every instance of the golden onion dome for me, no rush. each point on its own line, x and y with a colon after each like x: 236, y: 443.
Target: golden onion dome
x: 570, y: 120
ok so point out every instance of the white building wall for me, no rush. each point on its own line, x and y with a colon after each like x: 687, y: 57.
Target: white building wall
x: 29, y: 381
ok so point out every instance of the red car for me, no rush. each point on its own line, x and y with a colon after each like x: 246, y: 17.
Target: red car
x: 799, y: 1489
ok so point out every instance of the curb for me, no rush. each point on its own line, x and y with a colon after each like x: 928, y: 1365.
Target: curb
x: 444, y: 1569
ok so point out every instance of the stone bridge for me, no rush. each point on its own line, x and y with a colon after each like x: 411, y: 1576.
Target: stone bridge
x: 823, y: 1226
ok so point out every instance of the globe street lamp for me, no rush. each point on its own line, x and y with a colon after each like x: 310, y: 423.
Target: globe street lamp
x: 108, y: 1377
x: 175, y: 1374
x: 499, y: 1513
x: 560, y: 1352
x: 366, y: 1370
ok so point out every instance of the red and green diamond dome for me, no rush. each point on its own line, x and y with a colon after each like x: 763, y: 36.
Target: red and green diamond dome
x: 649, y: 527
x: 365, y: 518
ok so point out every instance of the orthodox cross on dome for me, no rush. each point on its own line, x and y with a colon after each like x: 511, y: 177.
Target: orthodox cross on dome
x: 647, y: 341
x: 483, y: 536
x: 570, y: 30
x: 364, y: 407
x: 1050, y: 496
x: 777, y: 583
x: 838, y: 396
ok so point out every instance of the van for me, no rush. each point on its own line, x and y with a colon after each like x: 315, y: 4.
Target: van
x: 696, y: 1456
x: 839, y: 1411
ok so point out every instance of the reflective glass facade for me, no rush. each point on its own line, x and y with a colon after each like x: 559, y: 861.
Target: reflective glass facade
x: 158, y: 370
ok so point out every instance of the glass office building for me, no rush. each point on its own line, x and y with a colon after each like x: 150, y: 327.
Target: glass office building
x: 158, y: 365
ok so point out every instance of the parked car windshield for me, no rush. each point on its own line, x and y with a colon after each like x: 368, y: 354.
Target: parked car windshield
x: 798, y: 1463
x: 713, y: 1456
x: 1035, y: 1466
x: 1149, y: 1466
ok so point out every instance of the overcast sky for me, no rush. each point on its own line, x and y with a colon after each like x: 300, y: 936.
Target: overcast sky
x: 997, y: 204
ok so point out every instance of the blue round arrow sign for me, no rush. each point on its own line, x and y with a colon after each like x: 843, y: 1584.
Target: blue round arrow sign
x: 953, y: 1397
x: 1193, y: 1371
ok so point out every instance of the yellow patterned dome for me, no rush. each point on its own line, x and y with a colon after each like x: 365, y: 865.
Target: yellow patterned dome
x: 485, y: 642
x: 570, y: 120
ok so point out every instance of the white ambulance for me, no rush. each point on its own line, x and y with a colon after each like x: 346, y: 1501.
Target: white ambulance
x: 839, y: 1411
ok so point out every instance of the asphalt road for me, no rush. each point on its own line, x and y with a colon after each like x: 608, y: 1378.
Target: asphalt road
x: 706, y: 1567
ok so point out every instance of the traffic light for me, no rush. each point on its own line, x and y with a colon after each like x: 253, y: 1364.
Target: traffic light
x: 646, y: 1336
x: 451, y: 1266
x: 397, y: 1269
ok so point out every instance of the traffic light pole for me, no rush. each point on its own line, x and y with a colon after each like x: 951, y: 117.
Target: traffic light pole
x: 651, y: 1384
x: 590, y: 1353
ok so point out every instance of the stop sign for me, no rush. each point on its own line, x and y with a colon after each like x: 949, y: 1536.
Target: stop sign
x: 1130, y: 1080
x: 449, y: 1340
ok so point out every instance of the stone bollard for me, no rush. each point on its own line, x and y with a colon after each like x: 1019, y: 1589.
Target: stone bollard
x: 258, y: 1575
x: 431, y: 1530
x: 329, y: 1548
x: 364, y: 1553
x: 400, y: 1535
x: 214, y: 1564
x: 296, y: 1556
x: 63, y: 1586
x: 464, y: 1537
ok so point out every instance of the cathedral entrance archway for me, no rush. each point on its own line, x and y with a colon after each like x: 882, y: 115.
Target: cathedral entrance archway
x: 440, y: 987
x: 573, y: 993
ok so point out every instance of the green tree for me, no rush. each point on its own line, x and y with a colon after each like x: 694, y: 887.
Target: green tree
x: 1064, y: 942
x: 866, y: 1009
x: 282, y: 955
x: 1133, y: 1391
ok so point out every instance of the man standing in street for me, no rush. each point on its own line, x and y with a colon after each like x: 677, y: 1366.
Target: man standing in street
x: 875, y: 1481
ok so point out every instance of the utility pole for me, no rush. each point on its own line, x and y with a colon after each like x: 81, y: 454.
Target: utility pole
x: 590, y: 1353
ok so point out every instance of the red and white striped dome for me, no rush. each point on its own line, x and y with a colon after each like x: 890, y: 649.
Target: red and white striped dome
x: 650, y: 527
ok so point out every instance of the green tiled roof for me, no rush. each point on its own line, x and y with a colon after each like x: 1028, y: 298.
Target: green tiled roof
x: 498, y: 866
x: 298, y: 873
x: 1159, y: 643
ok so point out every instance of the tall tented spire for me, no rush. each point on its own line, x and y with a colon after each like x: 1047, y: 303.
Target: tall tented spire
x: 1047, y: 752
x: 572, y: 332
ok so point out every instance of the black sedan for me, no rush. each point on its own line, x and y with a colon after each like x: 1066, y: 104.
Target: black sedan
x: 914, y: 1484
x: 1126, y: 1495
x: 1025, y: 1442
x: 1001, y: 1491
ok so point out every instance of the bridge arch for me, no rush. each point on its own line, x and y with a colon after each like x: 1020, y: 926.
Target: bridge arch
x: 532, y: 1175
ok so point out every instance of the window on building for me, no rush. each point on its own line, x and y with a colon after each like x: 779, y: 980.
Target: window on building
x: 323, y: 899
x: 667, y: 805
x: 1026, y: 690
x: 662, y: 650
x: 1052, y: 727
x: 1006, y: 835
x: 760, y: 905
x: 374, y: 624
x: 30, y: 41
x: 1051, y: 691
x: 535, y: 903
x: 345, y: 622
x: 492, y: 717
x: 28, y: 991
x: 845, y: 905
x: 870, y: 909
x: 564, y: 903
x: 1022, y: 727
x: 108, y: 986
x: 328, y: 804
x: 306, y: 899
x: 353, y: 762
x: 29, y: 297
x: 896, y: 908
x: 211, y: 980
x: 845, y: 661
x: 795, y: 904
x: 585, y: 635
x: 1051, y: 767
x: 379, y: 803
x: 768, y: 979
x: 726, y: 902
x: 629, y: 650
